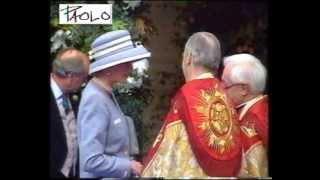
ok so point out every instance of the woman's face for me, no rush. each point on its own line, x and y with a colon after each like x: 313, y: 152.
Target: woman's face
x: 121, y: 72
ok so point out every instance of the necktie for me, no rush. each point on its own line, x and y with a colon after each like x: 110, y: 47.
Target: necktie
x: 65, y: 103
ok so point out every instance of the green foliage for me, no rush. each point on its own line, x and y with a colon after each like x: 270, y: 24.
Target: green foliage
x: 133, y: 102
x: 83, y: 35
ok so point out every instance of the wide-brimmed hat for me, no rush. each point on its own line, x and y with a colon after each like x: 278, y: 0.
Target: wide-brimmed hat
x: 113, y: 48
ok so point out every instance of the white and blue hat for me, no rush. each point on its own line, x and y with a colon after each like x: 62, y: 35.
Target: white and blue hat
x: 113, y: 48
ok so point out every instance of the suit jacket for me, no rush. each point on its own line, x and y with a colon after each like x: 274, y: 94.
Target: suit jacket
x: 58, y: 141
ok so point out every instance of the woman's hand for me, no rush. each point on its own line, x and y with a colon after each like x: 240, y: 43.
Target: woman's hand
x: 136, y: 167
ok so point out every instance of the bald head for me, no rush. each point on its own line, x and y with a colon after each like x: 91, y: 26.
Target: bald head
x: 70, y: 69
x: 71, y: 60
x: 204, y: 49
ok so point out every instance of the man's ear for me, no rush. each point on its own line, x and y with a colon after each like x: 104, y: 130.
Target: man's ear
x: 188, y: 60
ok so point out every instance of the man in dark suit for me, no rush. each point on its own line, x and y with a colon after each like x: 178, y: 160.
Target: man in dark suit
x: 69, y: 71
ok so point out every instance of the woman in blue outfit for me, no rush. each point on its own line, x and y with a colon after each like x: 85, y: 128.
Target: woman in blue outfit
x: 105, y: 141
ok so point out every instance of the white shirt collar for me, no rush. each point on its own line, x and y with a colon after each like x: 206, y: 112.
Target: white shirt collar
x: 247, y: 105
x: 55, y: 89
x: 241, y: 105
x: 205, y: 76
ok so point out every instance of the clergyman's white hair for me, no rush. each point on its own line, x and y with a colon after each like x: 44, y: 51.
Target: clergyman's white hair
x: 245, y: 69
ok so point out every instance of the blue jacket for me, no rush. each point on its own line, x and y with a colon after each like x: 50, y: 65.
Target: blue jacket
x: 103, y: 135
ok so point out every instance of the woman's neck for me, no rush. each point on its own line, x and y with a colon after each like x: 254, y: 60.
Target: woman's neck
x: 105, y: 83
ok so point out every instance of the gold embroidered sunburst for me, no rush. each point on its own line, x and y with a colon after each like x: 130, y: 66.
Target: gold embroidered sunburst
x: 215, y: 120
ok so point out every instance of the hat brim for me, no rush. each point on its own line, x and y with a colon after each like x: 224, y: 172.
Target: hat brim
x: 130, y: 55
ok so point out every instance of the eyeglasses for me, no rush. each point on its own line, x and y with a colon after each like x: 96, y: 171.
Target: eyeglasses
x: 227, y: 86
x: 78, y: 75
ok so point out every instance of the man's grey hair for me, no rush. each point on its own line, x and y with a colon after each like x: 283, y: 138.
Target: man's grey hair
x: 68, y: 66
x: 205, y: 50
x: 245, y: 69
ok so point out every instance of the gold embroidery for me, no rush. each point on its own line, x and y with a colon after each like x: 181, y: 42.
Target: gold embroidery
x: 216, y: 119
x: 249, y: 130
x: 254, y: 162
x: 174, y: 158
x: 160, y: 135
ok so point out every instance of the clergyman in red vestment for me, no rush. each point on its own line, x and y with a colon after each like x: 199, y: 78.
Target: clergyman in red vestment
x: 244, y: 77
x: 200, y: 136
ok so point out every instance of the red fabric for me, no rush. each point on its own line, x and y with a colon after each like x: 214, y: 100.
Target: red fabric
x: 170, y: 117
x: 258, y: 116
x: 213, y: 163
x: 247, y: 141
